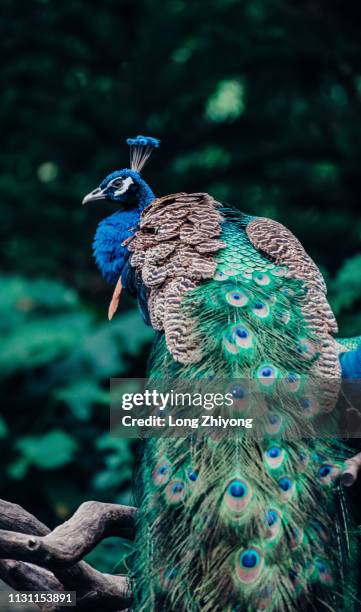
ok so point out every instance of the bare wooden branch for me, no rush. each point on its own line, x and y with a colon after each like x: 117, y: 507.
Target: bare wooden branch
x: 28, y: 577
x: 29, y: 550
x: 94, y: 588
x: 71, y: 541
x: 351, y: 470
x: 14, y: 518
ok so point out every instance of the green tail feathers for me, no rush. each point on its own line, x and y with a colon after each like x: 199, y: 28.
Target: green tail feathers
x: 246, y: 523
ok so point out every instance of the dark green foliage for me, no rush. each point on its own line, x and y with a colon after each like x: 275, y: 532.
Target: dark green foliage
x: 56, y: 361
x: 256, y: 101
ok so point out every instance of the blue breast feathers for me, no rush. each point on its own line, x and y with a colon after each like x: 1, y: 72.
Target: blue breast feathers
x: 109, y: 253
x: 351, y: 363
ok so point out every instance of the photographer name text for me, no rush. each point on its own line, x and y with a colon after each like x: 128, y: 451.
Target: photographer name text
x: 205, y: 420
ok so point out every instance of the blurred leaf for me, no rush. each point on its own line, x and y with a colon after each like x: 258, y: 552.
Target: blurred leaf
x: 80, y: 397
x: 325, y: 171
x: 207, y: 157
x: 346, y: 287
x: 64, y: 495
x: 24, y: 296
x: 50, y: 451
x: 38, y: 342
x: 110, y: 479
x: 227, y: 102
x: 47, y: 172
x: 121, y: 445
x: 119, y: 461
x: 18, y: 468
x: 132, y: 332
x: 3, y: 428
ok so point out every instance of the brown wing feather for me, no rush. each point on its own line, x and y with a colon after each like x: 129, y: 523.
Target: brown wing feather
x: 282, y: 247
x: 173, y: 251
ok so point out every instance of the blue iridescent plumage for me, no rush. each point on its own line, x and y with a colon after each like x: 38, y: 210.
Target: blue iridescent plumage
x: 143, y: 141
x: 110, y: 255
x: 132, y: 195
x: 351, y: 363
x: 138, y: 195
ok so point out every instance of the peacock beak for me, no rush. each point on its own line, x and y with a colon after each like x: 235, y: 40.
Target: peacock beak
x: 97, y: 194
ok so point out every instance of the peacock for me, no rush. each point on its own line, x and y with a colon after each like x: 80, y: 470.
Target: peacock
x: 234, y: 523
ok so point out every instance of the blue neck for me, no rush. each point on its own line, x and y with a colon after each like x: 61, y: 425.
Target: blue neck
x: 110, y: 255
x: 145, y: 195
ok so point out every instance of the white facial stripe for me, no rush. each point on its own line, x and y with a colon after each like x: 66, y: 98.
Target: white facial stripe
x: 125, y: 186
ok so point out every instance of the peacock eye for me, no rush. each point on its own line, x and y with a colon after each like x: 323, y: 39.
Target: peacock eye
x: 117, y: 183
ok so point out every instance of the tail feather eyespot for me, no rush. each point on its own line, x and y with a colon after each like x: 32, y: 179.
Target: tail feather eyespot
x: 328, y: 473
x: 238, y: 338
x: 261, y: 278
x: 243, y: 336
x: 283, y: 316
x: 250, y: 562
x: 192, y: 474
x: 274, y: 424
x: 162, y: 473
x: 309, y: 406
x: 273, y: 524
x: 175, y: 491
x: 295, y: 536
x: 279, y: 271
x: 293, y: 382
x: 237, y: 298
x: 167, y: 577
x: 323, y: 572
x: 287, y: 487
x: 237, y: 497
x: 306, y: 349
x: 239, y: 393
x: 320, y: 530
x: 267, y: 375
x: 274, y: 457
x: 261, y: 309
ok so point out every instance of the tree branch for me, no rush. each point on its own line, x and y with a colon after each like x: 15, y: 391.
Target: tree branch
x: 35, y: 558
x: 28, y: 577
x: 14, y: 518
x: 71, y: 541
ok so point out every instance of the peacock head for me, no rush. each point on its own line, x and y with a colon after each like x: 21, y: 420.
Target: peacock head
x: 125, y: 187
x: 130, y: 194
